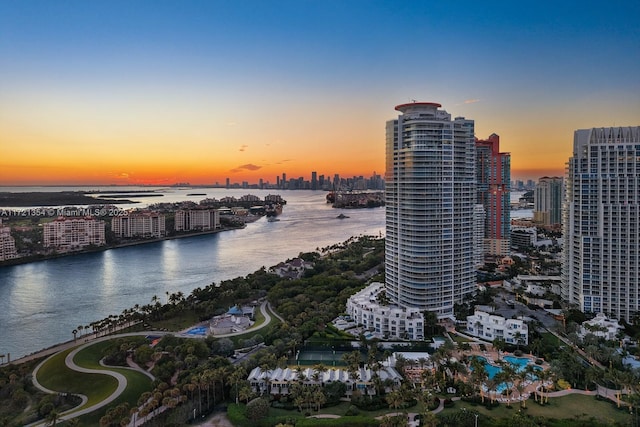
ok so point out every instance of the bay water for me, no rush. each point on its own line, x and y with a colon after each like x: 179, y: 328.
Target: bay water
x: 42, y: 302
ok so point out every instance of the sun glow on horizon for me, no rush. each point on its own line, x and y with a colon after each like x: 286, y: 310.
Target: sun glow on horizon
x: 107, y: 92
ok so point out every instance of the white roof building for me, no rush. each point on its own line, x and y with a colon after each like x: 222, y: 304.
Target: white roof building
x: 600, y: 326
x: 490, y: 326
x: 389, y: 321
x: 280, y: 380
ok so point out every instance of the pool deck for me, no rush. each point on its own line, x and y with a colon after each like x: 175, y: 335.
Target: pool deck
x: 493, y: 356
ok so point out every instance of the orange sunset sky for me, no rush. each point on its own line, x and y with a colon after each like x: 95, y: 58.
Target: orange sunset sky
x: 163, y: 92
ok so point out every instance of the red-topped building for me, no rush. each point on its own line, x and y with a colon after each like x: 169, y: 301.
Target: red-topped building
x: 493, y: 170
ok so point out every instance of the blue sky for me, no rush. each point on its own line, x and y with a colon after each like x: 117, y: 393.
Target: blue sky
x: 299, y: 81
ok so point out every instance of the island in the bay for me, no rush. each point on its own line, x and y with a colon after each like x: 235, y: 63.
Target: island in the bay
x: 36, y: 226
x: 355, y: 199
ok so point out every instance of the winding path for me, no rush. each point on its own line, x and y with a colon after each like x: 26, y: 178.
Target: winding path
x: 122, y: 380
x: 265, y: 308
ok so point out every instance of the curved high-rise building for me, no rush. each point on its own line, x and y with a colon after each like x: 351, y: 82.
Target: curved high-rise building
x: 430, y: 201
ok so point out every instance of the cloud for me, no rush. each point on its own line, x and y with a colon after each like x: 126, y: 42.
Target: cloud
x: 243, y: 147
x: 120, y: 175
x: 283, y: 161
x: 247, y: 167
x: 471, y: 101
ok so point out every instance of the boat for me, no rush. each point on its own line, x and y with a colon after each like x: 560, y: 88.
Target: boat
x: 342, y: 216
x: 272, y: 219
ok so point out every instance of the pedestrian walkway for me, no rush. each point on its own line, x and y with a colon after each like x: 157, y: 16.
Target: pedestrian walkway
x: 69, y: 362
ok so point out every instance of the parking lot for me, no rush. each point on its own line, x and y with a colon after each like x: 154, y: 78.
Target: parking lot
x: 520, y: 309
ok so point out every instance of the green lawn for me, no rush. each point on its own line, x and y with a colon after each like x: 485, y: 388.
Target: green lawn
x: 56, y: 376
x: 178, y: 321
x: 460, y: 339
x: 573, y: 406
x: 550, y: 339
x: 341, y: 409
x: 137, y: 382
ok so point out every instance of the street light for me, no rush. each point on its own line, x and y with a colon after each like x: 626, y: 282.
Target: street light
x: 474, y: 414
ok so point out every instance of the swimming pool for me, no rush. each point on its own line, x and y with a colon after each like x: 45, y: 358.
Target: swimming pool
x: 198, y: 330
x: 520, y: 364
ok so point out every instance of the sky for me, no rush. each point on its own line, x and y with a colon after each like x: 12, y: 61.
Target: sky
x: 159, y: 92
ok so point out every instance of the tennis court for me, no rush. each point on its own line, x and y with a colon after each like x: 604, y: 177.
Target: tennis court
x: 312, y: 357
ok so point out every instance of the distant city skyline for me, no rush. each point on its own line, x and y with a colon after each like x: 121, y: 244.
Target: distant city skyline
x: 157, y: 92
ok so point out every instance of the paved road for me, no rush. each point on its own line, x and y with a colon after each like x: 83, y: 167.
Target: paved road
x: 121, y: 379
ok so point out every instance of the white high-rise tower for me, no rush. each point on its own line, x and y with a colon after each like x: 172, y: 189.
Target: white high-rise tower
x: 601, y: 222
x: 430, y: 201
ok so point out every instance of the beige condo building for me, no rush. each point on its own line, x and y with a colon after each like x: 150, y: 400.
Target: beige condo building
x: 73, y: 233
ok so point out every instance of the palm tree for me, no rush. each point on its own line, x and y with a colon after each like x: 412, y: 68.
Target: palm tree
x: 321, y: 368
x: 427, y: 399
x: 422, y: 361
x: 506, y: 376
x: 394, y: 399
x: 238, y: 374
x: 478, y: 375
x: 245, y: 393
x: 544, y: 376
x: 591, y: 376
x: 492, y: 385
x: 205, y: 380
x: 535, y: 346
x: 353, y: 365
x: 518, y: 337
x: 195, y: 380
x: 298, y: 401
x: 217, y: 375
x: 519, y: 382
x: 319, y: 398
x: 429, y: 420
x: 52, y: 418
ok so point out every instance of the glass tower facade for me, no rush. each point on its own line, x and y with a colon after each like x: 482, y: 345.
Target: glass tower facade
x: 430, y: 201
x: 601, y: 222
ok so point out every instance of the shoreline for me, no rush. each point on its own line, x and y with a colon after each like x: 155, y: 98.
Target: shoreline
x: 28, y: 260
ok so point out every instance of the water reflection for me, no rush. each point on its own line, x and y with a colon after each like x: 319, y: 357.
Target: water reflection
x: 41, y: 303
